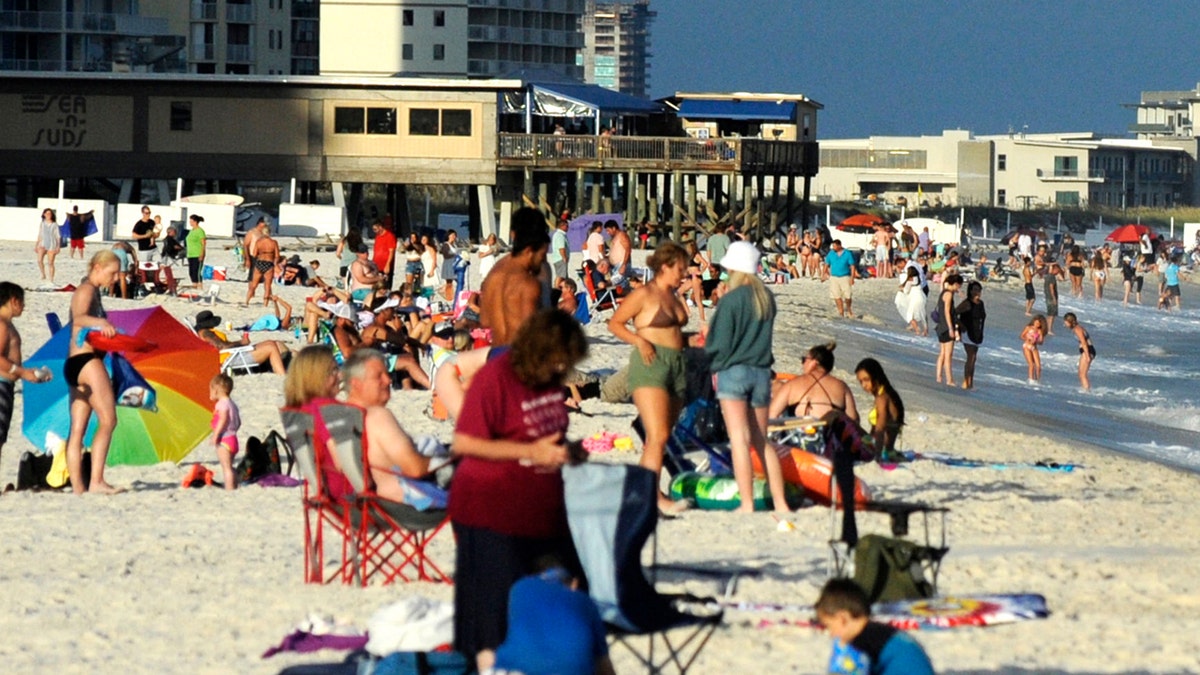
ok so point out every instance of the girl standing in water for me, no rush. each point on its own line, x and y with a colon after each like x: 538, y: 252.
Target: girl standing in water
x: 1032, y: 336
x: 947, y: 328
x: 1087, y: 351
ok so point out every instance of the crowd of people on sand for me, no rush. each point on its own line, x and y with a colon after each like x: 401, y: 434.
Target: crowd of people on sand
x: 508, y: 354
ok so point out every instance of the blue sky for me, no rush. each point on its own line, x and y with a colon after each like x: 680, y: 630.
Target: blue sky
x: 921, y: 66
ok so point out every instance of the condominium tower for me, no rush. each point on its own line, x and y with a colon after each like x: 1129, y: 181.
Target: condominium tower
x: 616, y: 52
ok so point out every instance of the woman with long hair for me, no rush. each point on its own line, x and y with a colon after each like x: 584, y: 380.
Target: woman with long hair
x: 947, y: 328
x: 49, y: 242
x: 971, y: 317
x: 739, y: 342
x: 91, y: 390
x: 429, y: 263
x: 1099, y: 274
x: 1075, y: 265
x: 506, y: 503
x: 657, y: 368
x: 887, y: 410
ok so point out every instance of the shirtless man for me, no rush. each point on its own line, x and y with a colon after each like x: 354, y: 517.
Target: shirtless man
x: 252, y: 235
x: 1027, y: 277
x: 512, y: 292
x: 264, y: 252
x: 620, y: 249
x: 391, y: 450
x: 12, y: 304
x: 883, y: 252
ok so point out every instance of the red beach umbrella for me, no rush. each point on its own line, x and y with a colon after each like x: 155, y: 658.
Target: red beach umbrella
x: 1128, y: 234
x: 868, y: 219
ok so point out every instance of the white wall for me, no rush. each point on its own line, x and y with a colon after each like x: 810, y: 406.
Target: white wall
x: 128, y: 214
x: 310, y: 220
x: 1189, y: 235
x: 218, y: 218
x: 19, y: 223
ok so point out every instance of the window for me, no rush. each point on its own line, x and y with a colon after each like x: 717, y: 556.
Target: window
x: 1001, y: 162
x: 456, y: 122
x: 348, y: 121
x: 408, y: 17
x: 439, y: 52
x: 406, y: 51
x: 423, y: 122
x: 1066, y: 198
x: 181, y: 115
x: 1001, y: 197
x: 1066, y: 167
x: 381, y: 120
x: 439, y: 17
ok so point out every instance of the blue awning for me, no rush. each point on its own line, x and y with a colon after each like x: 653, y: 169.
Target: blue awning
x: 598, y: 98
x: 760, y: 111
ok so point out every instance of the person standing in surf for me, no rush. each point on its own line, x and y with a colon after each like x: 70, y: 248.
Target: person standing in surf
x: 1087, y: 351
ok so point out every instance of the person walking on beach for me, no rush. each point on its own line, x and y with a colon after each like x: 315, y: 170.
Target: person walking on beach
x: 739, y: 342
x: 91, y: 389
x: 1027, y: 277
x: 946, y: 328
x: 12, y: 305
x: 196, y: 245
x: 49, y: 243
x: 1131, y: 280
x: 841, y: 272
x: 226, y: 421
x: 512, y: 293
x: 1032, y: 336
x: 77, y: 227
x: 657, y: 367
x: 1075, y: 267
x: 971, y: 317
x: 1099, y: 274
x: 1050, y: 291
x: 1087, y: 351
x: 263, y: 252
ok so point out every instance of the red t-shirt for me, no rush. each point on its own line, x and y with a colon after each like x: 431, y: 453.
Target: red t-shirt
x: 385, y: 247
x: 503, y: 496
x: 336, y: 485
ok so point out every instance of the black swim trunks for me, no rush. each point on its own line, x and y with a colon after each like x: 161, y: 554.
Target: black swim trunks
x: 1029, y: 294
x: 6, y: 408
x: 264, y: 266
x: 75, y: 364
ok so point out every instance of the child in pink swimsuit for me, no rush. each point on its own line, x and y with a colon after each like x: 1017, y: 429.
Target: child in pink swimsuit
x: 225, y: 424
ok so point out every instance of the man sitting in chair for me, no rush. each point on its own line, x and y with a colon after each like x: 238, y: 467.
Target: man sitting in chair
x: 272, y: 351
x: 391, y: 451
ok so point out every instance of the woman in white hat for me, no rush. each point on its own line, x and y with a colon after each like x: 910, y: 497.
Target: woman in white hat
x: 739, y: 342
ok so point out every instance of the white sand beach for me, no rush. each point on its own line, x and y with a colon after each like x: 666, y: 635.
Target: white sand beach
x: 162, y: 579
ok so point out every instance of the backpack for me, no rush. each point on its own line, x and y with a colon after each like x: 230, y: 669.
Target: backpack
x: 890, y: 569
x: 262, y: 458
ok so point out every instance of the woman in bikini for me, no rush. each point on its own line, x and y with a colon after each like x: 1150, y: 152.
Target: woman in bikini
x: 1087, y: 351
x: 1099, y: 274
x: 657, y: 368
x: 947, y: 328
x: 1032, y: 336
x: 1075, y: 265
x: 696, y: 267
x: 90, y: 387
x: 806, y: 255
x: 815, y: 392
x: 887, y: 413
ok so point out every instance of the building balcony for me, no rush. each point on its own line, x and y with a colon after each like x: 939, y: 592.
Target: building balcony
x: 239, y: 13
x: 1158, y: 129
x: 31, y: 21
x: 239, y: 53
x: 203, y: 52
x: 204, y: 11
x: 31, y: 65
x: 1070, y: 176
x: 629, y: 153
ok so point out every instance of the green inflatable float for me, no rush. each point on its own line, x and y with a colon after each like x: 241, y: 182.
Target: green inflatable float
x: 720, y: 493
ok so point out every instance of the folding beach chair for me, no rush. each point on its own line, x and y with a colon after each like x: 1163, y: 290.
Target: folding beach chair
x: 601, y: 300
x: 392, y: 537
x: 612, y: 511
x: 320, y: 510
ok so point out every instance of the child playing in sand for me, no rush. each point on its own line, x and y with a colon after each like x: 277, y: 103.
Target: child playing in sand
x: 1033, y: 335
x: 1087, y: 352
x: 864, y: 646
x: 225, y: 424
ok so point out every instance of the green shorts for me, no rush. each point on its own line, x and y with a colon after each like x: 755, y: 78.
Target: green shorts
x: 668, y: 371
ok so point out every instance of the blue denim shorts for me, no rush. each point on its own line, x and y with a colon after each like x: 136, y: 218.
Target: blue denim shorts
x: 745, y: 383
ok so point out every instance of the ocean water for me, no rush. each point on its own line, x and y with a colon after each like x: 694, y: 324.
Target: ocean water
x: 1145, y: 397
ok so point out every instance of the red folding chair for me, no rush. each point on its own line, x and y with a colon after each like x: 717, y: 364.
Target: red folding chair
x: 393, y: 538
x: 600, y: 299
x: 320, y: 509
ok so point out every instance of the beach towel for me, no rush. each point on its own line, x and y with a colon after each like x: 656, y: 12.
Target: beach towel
x: 268, y: 322
x: 963, y: 462
x: 924, y: 614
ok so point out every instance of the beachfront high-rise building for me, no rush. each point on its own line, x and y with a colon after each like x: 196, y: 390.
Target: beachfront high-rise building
x: 88, y: 35
x: 231, y: 37
x: 476, y: 38
x: 616, y: 53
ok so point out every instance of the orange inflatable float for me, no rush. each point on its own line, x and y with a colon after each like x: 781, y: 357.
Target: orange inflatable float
x: 814, y: 474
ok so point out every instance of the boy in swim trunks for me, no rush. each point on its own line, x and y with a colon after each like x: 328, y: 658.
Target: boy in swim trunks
x: 12, y: 305
x: 226, y: 421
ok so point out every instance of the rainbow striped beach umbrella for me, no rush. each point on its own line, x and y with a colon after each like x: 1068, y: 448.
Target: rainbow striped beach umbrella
x: 166, y: 411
